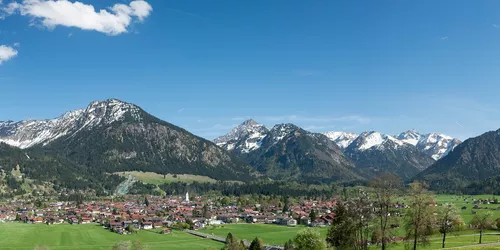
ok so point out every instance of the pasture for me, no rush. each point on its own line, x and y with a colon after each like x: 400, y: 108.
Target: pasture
x: 90, y: 236
x: 271, y: 234
x: 157, y: 179
x: 465, y: 205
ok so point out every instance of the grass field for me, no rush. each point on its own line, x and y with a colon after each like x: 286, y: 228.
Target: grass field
x: 271, y: 234
x: 278, y: 235
x: 26, y: 236
x: 455, y: 241
x: 466, y: 201
x: 157, y: 179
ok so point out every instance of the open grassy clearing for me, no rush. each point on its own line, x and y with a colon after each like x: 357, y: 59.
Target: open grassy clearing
x: 157, y: 179
x: 271, y: 234
x: 467, y: 202
x: 278, y: 235
x: 28, y: 236
x: 463, y: 240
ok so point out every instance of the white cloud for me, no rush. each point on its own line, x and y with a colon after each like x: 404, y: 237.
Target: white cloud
x: 17, y: 45
x: 53, y: 13
x: 7, y: 53
x: 11, y: 8
x: 444, y: 38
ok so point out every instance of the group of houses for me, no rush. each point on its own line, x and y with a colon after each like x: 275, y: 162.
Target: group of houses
x: 134, y: 213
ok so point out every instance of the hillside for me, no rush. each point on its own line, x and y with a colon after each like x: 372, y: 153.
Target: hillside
x: 113, y: 136
x: 474, y: 160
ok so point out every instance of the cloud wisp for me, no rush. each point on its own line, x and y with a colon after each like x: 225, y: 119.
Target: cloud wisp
x: 7, y: 53
x: 52, y: 13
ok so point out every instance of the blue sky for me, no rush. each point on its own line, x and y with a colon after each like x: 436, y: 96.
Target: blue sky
x: 325, y: 65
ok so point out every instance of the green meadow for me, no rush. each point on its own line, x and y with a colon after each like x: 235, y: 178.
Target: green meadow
x: 271, y: 234
x: 157, y: 179
x: 465, y: 203
x: 27, y: 236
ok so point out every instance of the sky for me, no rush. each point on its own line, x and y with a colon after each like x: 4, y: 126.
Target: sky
x: 206, y: 66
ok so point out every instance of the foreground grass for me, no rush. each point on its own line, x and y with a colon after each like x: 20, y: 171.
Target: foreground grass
x: 271, y: 234
x: 26, y: 236
x: 157, y: 179
x: 460, y: 241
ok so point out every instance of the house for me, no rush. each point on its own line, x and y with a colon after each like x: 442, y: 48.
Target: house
x: 286, y: 221
x: 115, y: 224
x: 291, y: 222
x: 318, y: 223
x: 215, y: 222
x: 85, y: 220
x: 147, y: 225
x: 37, y: 220
x: 166, y: 231
x: 305, y: 220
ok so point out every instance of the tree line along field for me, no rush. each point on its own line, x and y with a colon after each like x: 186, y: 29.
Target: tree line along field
x: 65, y: 236
x: 278, y: 235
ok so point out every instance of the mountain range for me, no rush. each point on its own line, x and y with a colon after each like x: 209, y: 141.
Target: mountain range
x: 371, y: 153
x: 82, y: 148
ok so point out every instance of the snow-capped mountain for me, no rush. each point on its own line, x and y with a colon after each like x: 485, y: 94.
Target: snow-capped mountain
x: 376, y: 153
x: 110, y: 136
x: 343, y: 139
x: 25, y: 134
x: 433, y: 144
x: 244, y: 138
x: 372, y: 139
x: 288, y: 152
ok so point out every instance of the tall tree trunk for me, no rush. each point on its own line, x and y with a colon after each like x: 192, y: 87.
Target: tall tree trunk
x: 415, y: 240
x: 444, y: 238
x: 382, y: 229
x: 481, y: 236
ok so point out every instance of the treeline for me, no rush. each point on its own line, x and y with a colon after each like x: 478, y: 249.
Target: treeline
x: 488, y: 186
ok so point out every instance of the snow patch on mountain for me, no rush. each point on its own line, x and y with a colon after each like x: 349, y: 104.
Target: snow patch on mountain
x: 245, y: 137
x: 343, y: 139
x: 435, y: 145
x: 25, y: 134
x: 371, y: 139
x: 279, y: 131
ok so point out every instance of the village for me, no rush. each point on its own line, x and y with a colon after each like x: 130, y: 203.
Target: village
x: 165, y: 213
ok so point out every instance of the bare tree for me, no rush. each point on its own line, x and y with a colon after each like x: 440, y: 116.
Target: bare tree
x: 482, y: 221
x: 420, y: 215
x: 386, y: 187
x: 449, y: 220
